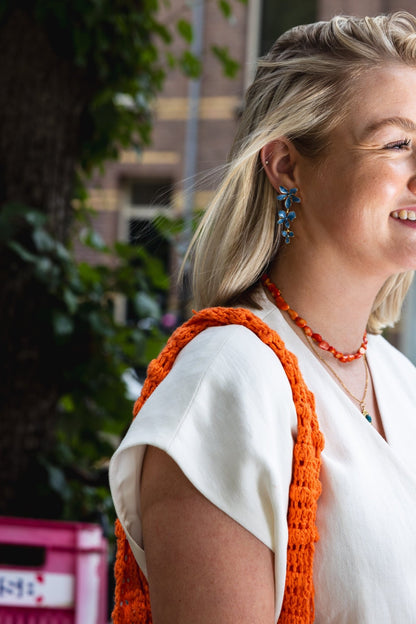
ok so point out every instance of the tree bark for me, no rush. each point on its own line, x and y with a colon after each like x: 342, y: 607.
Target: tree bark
x: 41, y: 102
x: 42, y: 98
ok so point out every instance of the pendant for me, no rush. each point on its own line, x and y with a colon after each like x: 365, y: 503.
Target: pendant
x: 365, y: 413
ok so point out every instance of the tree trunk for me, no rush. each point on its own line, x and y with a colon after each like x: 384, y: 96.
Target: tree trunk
x: 42, y: 98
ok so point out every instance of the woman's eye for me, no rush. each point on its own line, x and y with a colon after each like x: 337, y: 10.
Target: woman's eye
x: 398, y: 144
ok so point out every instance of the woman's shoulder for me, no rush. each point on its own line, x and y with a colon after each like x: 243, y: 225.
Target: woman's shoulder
x: 218, y: 345
x: 387, y: 356
x: 228, y: 366
x: 224, y: 380
x: 393, y: 373
x: 238, y: 337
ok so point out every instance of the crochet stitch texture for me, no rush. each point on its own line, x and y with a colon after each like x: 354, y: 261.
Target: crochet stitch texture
x: 132, y: 602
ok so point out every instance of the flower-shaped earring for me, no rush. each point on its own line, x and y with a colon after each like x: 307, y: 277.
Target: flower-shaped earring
x: 288, y: 196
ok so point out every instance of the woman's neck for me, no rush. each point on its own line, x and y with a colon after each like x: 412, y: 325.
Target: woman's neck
x: 334, y: 301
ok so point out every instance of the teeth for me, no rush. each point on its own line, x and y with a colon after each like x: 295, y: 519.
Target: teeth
x: 404, y: 214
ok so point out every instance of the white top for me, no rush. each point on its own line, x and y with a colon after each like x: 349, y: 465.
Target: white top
x: 225, y: 415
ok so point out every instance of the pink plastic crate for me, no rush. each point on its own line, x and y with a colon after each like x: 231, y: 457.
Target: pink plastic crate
x: 52, y: 572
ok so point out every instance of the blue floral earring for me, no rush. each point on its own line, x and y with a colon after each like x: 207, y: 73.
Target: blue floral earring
x: 286, y: 216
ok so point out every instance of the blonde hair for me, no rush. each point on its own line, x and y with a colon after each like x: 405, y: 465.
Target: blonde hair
x: 301, y: 91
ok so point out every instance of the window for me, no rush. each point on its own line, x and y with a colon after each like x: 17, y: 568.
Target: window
x: 148, y: 200
x: 143, y: 232
x: 277, y: 16
x: 144, y: 201
x: 151, y: 193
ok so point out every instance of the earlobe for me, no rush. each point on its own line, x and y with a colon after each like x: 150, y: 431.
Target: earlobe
x: 278, y: 160
x: 278, y: 163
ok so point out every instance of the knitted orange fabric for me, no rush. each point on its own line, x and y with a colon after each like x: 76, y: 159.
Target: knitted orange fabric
x: 132, y: 604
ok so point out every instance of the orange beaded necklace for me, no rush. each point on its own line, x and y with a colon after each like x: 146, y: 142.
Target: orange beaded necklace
x: 300, y: 322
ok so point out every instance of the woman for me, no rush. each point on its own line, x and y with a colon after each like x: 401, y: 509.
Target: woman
x: 319, y: 200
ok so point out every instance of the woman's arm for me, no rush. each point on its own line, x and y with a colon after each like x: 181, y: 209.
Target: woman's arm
x: 203, y: 566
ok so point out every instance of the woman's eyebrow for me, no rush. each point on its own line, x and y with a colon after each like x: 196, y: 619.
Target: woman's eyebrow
x: 400, y: 122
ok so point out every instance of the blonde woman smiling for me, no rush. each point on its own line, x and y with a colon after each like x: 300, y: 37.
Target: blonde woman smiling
x: 313, y: 233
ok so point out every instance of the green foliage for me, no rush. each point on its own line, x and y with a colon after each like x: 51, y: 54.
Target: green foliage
x: 230, y: 66
x: 225, y: 8
x: 185, y: 30
x: 190, y: 64
x: 115, y: 45
x: 172, y: 228
x: 94, y: 350
x: 114, y: 48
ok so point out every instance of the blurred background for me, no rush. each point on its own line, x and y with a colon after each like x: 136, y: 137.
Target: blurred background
x: 115, y: 118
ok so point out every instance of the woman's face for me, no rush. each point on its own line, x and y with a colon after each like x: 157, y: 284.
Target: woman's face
x: 360, y: 202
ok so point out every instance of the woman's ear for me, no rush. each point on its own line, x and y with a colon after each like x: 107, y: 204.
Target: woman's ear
x: 278, y: 158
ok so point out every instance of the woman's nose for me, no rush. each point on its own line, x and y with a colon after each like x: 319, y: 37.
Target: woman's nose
x: 412, y: 184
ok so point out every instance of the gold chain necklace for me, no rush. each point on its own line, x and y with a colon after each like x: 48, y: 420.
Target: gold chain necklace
x: 309, y: 333
x: 361, y: 402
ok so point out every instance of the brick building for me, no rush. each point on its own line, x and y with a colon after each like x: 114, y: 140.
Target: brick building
x: 194, y: 126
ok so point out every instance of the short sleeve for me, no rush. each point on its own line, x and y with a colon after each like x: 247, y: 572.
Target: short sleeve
x: 225, y: 415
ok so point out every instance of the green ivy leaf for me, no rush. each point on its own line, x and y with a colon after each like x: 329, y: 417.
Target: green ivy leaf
x: 184, y: 28
x: 163, y: 32
x: 70, y: 299
x: 154, y: 345
x: 156, y: 273
x: 46, y: 271
x: 229, y: 65
x: 225, y: 8
x: 146, y: 306
x: 171, y: 60
x: 67, y: 403
x: 22, y: 252
x: 35, y: 218
x: 62, y: 323
x: 43, y: 241
x: 58, y: 482
x: 190, y: 64
x: 99, y: 323
x: 170, y: 228
x: 62, y: 253
x: 91, y: 238
x: 127, y: 252
x: 88, y: 274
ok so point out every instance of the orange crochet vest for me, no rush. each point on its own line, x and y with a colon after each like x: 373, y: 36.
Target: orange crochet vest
x: 132, y: 603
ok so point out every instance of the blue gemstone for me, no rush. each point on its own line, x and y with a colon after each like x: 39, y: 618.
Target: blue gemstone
x: 368, y: 417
